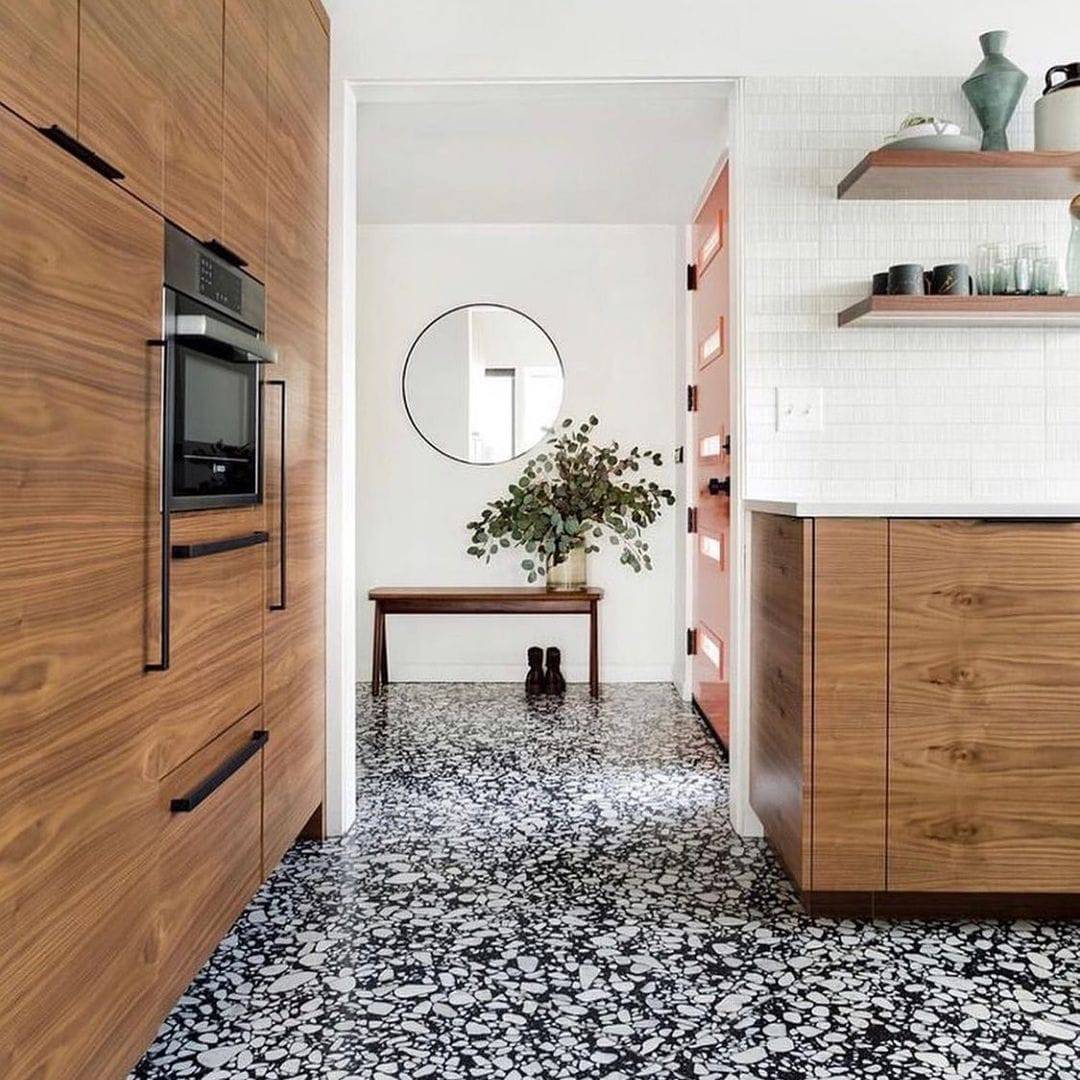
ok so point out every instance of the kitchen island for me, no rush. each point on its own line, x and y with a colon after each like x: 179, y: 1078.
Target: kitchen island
x: 915, y: 705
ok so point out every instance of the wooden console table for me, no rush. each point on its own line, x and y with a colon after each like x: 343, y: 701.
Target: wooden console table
x: 471, y: 601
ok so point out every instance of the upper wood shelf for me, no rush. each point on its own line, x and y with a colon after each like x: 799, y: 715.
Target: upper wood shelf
x: 977, y: 174
x: 963, y: 311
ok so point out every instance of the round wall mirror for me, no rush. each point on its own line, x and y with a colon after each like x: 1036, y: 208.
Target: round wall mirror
x: 483, y: 383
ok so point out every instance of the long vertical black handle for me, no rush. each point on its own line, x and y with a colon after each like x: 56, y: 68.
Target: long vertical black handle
x: 281, y: 604
x: 166, y: 496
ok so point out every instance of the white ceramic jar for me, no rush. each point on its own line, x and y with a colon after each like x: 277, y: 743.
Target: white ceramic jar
x: 1057, y: 112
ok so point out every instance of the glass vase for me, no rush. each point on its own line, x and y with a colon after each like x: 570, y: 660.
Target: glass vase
x: 568, y: 575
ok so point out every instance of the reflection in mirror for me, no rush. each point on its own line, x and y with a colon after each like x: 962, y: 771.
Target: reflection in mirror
x: 483, y: 384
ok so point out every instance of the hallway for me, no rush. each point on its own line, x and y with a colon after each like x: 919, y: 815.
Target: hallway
x: 553, y: 890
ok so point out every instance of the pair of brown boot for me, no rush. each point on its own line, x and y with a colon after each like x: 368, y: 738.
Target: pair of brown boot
x: 539, y: 681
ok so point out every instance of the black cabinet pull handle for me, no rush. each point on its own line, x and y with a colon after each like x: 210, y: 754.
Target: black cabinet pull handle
x: 66, y: 141
x: 227, y: 253
x: 215, y: 547
x: 166, y: 468
x: 188, y: 802
x: 282, y: 598
x: 717, y: 487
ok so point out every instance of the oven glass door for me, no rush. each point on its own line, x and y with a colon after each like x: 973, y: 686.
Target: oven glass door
x: 215, y: 427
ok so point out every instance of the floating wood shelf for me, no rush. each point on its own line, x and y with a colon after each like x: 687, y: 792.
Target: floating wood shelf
x: 963, y: 311
x: 978, y: 174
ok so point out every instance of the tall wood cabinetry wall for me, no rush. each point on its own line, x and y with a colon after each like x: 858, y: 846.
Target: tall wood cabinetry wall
x: 211, y: 114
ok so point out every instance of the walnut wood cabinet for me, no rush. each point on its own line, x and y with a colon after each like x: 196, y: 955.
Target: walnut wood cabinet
x: 294, y: 763
x: 39, y: 51
x: 170, y: 93
x: 915, y: 693
x: 110, y: 896
x: 81, y: 267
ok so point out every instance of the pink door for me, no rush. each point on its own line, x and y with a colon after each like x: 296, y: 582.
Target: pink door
x: 710, y: 449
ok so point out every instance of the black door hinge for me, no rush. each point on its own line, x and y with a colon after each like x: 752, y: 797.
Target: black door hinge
x: 691, y: 277
x: 691, y: 519
x: 691, y: 643
x: 727, y: 445
x: 691, y: 398
x: 79, y: 150
x: 678, y: 455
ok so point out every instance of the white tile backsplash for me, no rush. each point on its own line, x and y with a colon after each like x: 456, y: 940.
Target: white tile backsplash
x: 909, y: 414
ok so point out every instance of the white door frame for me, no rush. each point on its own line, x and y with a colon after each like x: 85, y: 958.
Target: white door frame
x: 341, y: 480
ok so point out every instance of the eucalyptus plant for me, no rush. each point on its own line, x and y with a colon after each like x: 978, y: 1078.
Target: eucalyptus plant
x: 571, y: 495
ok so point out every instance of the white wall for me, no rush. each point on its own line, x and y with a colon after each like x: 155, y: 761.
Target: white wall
x: 909, y: 414
x: 607, y: 296
x: 574, y: 39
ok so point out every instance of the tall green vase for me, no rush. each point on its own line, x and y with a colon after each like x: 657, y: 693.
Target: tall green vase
x: 994, y: 88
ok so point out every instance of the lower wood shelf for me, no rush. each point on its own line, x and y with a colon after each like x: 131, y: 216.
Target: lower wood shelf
x: 963, y: 311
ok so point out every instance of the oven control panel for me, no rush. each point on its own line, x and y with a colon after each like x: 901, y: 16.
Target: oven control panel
x: 220, y: 285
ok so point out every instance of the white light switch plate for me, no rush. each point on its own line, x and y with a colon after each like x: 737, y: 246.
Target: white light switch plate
x: 798, y: 409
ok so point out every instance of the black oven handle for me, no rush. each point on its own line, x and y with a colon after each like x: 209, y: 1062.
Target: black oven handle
x: 166, y: 473
x: 251, y: 348
x: 281, y: 604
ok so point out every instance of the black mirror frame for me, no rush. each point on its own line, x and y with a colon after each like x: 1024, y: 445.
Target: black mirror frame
x: 416, y: 341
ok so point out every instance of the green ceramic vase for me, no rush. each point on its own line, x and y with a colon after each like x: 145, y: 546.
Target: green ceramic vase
x: 994, y: 88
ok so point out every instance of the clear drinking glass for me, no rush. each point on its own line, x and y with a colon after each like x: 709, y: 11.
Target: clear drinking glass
x: 986, y: 259
x: 1046, y: 279
x: 1027, y: 255
x: 1004, y: 277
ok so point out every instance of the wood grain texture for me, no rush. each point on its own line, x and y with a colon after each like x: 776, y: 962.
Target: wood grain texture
x: 210, y: 858
x: 217, y: 605
x: 80, y: 285
x: 977, y: 174
x: 984, y: 745
x: 781, y: 681
x: 851, y: 558
x: 963, y: 311
x: 39, y: 56
x: 244, y: 208
x: 193, y: 116
x: 123, y: 67
x: 294, y: 761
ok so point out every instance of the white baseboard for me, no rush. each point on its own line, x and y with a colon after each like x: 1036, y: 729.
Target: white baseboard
x: 428, y: 671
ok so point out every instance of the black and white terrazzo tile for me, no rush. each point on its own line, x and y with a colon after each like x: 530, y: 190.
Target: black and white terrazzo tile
x: 553, y: 890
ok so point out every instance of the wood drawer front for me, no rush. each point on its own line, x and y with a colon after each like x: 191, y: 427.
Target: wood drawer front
x: 780, y: 685
x: 215, y: 675
x: 209, y: 856
x: 984, y: 741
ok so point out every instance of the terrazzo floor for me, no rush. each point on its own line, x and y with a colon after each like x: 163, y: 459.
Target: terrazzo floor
x: 553, y: 890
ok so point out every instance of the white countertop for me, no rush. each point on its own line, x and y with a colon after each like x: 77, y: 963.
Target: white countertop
x: 824, y: 508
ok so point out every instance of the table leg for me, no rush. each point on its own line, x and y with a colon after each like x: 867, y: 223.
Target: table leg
x: 385, y: 662
x: 594, y: 650
x: 378, y: 641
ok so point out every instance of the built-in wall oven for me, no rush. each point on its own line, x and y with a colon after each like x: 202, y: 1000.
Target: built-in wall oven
x: 215, y: 318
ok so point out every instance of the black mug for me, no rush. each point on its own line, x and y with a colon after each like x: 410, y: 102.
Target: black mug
x: 907, y: 279
x: 880, y: 286
x: 952, y: 279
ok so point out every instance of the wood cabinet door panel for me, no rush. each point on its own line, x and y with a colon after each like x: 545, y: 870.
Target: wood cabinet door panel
x: 210, y: 856
x: 296, y: 323
x: 781, y: 685
x: 80, y: 285
x: 193, y: 131
x: 122, y: 90
x: 39, y: 60
x: 217, y: 602
x: 851, y: 558
x: 245, y: 131
x: 984, y: 747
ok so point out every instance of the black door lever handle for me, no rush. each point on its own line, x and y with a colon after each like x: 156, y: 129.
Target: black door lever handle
x: 720, y: 487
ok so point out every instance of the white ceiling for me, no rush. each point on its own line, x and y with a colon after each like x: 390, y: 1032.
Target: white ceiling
x: 605, y: 153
